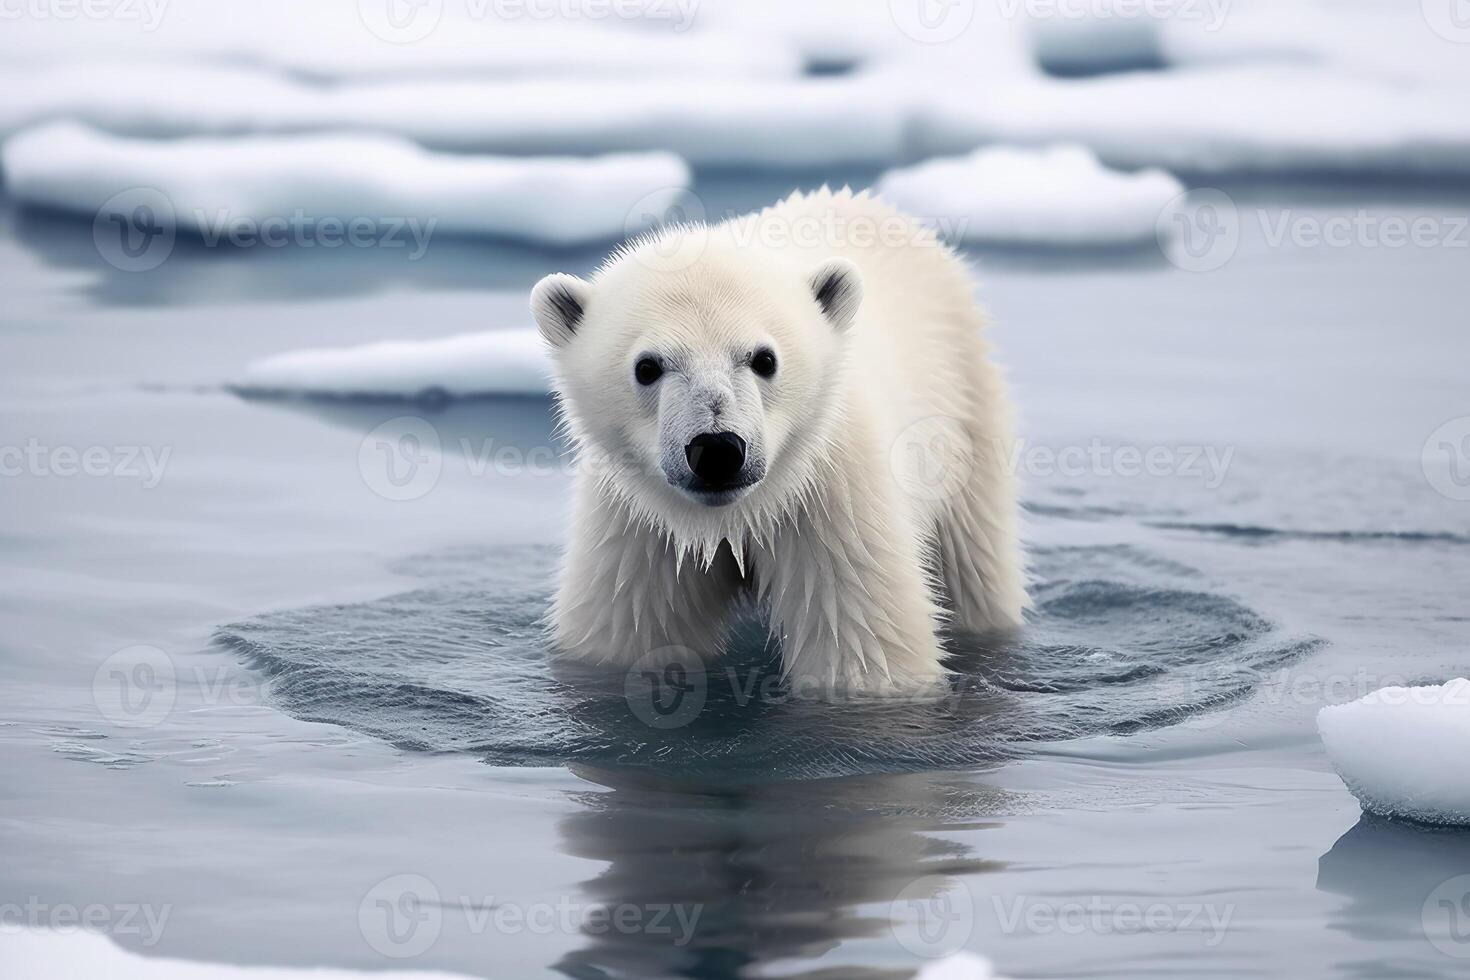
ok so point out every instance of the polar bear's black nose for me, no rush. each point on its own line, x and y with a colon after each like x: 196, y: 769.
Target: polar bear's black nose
x: 716, y: 457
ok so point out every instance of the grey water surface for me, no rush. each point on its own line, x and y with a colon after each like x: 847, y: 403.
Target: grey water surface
x: 312, y: 725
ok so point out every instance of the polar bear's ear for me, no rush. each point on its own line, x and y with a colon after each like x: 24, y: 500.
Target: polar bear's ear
x: 558, y: 303
x: 838, y: 288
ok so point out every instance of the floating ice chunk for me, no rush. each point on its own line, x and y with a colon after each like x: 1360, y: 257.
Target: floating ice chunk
x: 960, y: 966
x: 1210, y: 120
x: 38, y: 954
x: 213, y: 184
x: 355, y: 40
x: 497, y: 362
x: 1405, y: 751
x: 1056, y: 196
x: 732, y: 122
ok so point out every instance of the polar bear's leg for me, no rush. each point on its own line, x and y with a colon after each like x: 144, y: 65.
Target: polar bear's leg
x: 623, y: 594
x: 849, y: 598
x: 976, y: 544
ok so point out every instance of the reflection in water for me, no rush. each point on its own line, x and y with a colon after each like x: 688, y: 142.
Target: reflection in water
x: 784, y: 870
x: 1389, y: 869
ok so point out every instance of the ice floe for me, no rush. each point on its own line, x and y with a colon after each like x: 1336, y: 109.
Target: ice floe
x: 217, y: 185
x: 497, y: 362
x: 1405, y: 751
x: 38, y: 954
x: 960, y: 966
x: 1263, y: 119
x: 1059, y: 195
x: 722, y: 121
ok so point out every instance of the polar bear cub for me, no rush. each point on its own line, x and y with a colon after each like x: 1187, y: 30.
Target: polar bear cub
x: 796, y: 405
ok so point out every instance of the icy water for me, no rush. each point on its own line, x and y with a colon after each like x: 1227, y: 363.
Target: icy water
x: 306, y: 724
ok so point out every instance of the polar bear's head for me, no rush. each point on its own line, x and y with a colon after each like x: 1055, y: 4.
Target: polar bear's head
x: 707, y: 385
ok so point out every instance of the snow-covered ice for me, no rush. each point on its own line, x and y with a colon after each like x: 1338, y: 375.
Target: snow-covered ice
x: 497, y: 362
x: 1236, y: 118
x: 335, y: 41
x: 1060, y: 195
x: 1405, y: 751
x: 731, y: 122
x: 214, y: 183
x: 960, y: 966
x: 39, y: 954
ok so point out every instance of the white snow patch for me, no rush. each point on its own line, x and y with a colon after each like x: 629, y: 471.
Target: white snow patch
x: 356, y: 40
x: 497, y: 362
x: 960, y: 966
x: 36, y: 954
x: 731, y: 122
x: 1243, y: 119
x: 214, y: 184
x: 1056, y: 196
x: 1405, y: 751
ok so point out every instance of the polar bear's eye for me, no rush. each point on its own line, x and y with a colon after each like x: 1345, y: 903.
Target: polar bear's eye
x: 763, y: 362
x: 647, y: 371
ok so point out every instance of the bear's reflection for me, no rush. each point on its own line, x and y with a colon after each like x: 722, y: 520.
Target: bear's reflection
x: 754, y: 874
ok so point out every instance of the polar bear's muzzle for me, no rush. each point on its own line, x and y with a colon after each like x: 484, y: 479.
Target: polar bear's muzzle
x: 719, y: 470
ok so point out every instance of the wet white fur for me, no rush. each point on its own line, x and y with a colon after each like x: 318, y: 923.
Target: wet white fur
x: 855, y: 569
